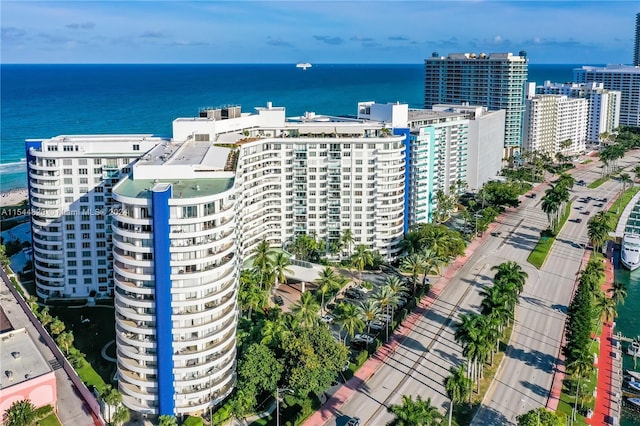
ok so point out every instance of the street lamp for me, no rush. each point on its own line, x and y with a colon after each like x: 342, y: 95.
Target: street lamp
x: 535, y: 408
x: 278, y: 390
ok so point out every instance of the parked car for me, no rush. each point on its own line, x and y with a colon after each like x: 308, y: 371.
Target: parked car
x: 384, y: 317
x: 578, y: 220
x: 327, y: 319
x: 376, y: 325
x: 363, y: 338
x: 354, y: 421
x: 278, y: 300
x: 586, y: 212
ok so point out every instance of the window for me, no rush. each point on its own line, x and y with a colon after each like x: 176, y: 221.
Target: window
x: 67, y: 171
x: 82, y: 162
x: 136, y: 147
x: 71, y: 245
x: 71, y: 263
x: 82, y: 171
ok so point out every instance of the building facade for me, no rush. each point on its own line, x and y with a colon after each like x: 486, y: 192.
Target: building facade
x: 636, y: 44
x: 70, y: 180
x: 622, y: 78
x: 604, y: 105
x: 171, y: 221
x: 553, y: 120
x: 496, y: 81
x: 25, y: 372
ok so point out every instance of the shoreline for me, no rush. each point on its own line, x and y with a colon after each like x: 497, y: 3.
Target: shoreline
x: 13, y: 197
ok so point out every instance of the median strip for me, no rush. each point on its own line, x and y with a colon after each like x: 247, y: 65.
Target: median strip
x: 541, y: 250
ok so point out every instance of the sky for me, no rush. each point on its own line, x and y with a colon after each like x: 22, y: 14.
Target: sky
x: 320, y: 31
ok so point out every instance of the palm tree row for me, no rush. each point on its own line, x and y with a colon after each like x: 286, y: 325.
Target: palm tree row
x: 425, y: 262
x: 555, y: 199
x: 354, y: 318
x: 609, y: 155
x: 480, y: 334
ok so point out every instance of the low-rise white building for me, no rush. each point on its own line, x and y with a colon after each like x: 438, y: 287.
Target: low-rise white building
x: 553, y: 120
x: 604, y: 105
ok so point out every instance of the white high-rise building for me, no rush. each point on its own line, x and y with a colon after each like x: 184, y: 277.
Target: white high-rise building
x: 70, y: 182
x: 604, y: 105
x: 623, y: 78
x: 184, y: 216
x: 448, y: 146
x: 551, y: 120
x: 496, y: 81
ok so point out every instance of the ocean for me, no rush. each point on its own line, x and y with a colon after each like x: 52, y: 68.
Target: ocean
x: 42, y: 101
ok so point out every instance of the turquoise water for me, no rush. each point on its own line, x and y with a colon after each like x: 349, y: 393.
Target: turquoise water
x: 628, y: 324
x: 43, y: 101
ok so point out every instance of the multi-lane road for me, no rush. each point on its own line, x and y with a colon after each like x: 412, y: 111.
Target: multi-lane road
x: 421, y: 363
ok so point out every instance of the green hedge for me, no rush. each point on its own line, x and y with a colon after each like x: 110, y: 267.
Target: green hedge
x: 193, y: 421
x: 221, y: 415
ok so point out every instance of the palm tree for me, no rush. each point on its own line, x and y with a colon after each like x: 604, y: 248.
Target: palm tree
x: 263, y: 260
x: 347, y: 239
x: 457, y: 386
x: 20, y: 413
x: 121, y: 415
x: 327, y: 282
x: 606, y: 308
x: 386, y: 299
x: 45, y: 317
x: 582, y: 364
x: 398, y: 289
x: 415, y: 265
x: 275, y: 331
x: 512, y: 272
x: 618, y: 292
x: 598, y: 232
x: 361, y: 258
x: 415, y: 413
x: 350, y: 319
x: 306, y: 309
x: 636, y: 171
x: 250, y: 295
x: 369, y: 310
x: 550, y: 206
x: 56, y: 327
x: 65, y: 340
x: 280, y: 267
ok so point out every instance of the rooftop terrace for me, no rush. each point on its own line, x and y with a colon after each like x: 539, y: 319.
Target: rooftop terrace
x: 181, y: 188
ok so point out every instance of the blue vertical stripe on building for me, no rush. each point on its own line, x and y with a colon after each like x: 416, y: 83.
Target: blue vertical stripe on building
x: 407, y: 158
x: 162, y: 272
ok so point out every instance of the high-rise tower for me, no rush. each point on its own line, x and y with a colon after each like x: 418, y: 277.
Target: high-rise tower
x: 496, y: 81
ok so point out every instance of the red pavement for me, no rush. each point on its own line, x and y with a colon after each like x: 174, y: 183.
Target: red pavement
x: 333, y: 405
x: 605, y: 362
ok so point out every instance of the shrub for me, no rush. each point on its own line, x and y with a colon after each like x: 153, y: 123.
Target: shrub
x: 361, y: 358
x: 43, y: 411
x: 221, y: 415
x: 193, y: 421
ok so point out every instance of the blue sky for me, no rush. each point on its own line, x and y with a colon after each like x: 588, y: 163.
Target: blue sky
x: 321, y: 31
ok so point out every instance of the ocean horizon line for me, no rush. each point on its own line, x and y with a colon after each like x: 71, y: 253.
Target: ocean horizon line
x: 260, y: 64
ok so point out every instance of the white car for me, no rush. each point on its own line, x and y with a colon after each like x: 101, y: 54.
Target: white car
x: 384, y: 318
x: 376, y: 325
x: 327, y: 319
x: 363, y: 338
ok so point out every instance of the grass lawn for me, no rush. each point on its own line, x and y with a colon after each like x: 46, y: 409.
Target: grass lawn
x: 50, y: 420
x: 568, y: 399
x: 617, y: 208
x: 90, y: 338
x: 596, y: 183
x: 541, y: 250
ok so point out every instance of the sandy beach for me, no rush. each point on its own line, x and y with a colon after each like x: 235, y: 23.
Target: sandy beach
x: 13, y: 197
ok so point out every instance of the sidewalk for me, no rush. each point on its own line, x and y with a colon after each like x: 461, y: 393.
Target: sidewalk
x: 333, y: 405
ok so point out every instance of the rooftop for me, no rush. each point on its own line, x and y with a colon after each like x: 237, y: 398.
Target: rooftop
x: 20, y: 359
x: 181, y: 188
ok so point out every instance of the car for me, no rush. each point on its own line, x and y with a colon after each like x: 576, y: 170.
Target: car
x: 327, y: 319
x: 376, y: 325
x: 578, y: 220
x: 581, y: 182
x: 604, y: 200
x: 354, y: 421
x: 598, y: 205
x: 579, y: 207
x: 278, y: 299
x: 586, y: 212
x: 384, y: 317
x: 363, y: 338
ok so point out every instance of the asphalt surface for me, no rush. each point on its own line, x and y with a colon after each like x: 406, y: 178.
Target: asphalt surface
x: 421, y: 363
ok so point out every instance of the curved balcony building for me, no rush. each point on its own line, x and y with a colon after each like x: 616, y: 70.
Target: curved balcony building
x: 176, y: 274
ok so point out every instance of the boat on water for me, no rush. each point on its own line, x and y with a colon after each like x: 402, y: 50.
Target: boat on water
x: 630, y: 251
x: 634, y: 386
x: 303, y: 65
x: 634, y: 401
x: 634, y: 374
x: 634, y: 348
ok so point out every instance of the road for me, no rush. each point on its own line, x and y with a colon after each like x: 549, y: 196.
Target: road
x: 525, y: 376
x: 422, y: 362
